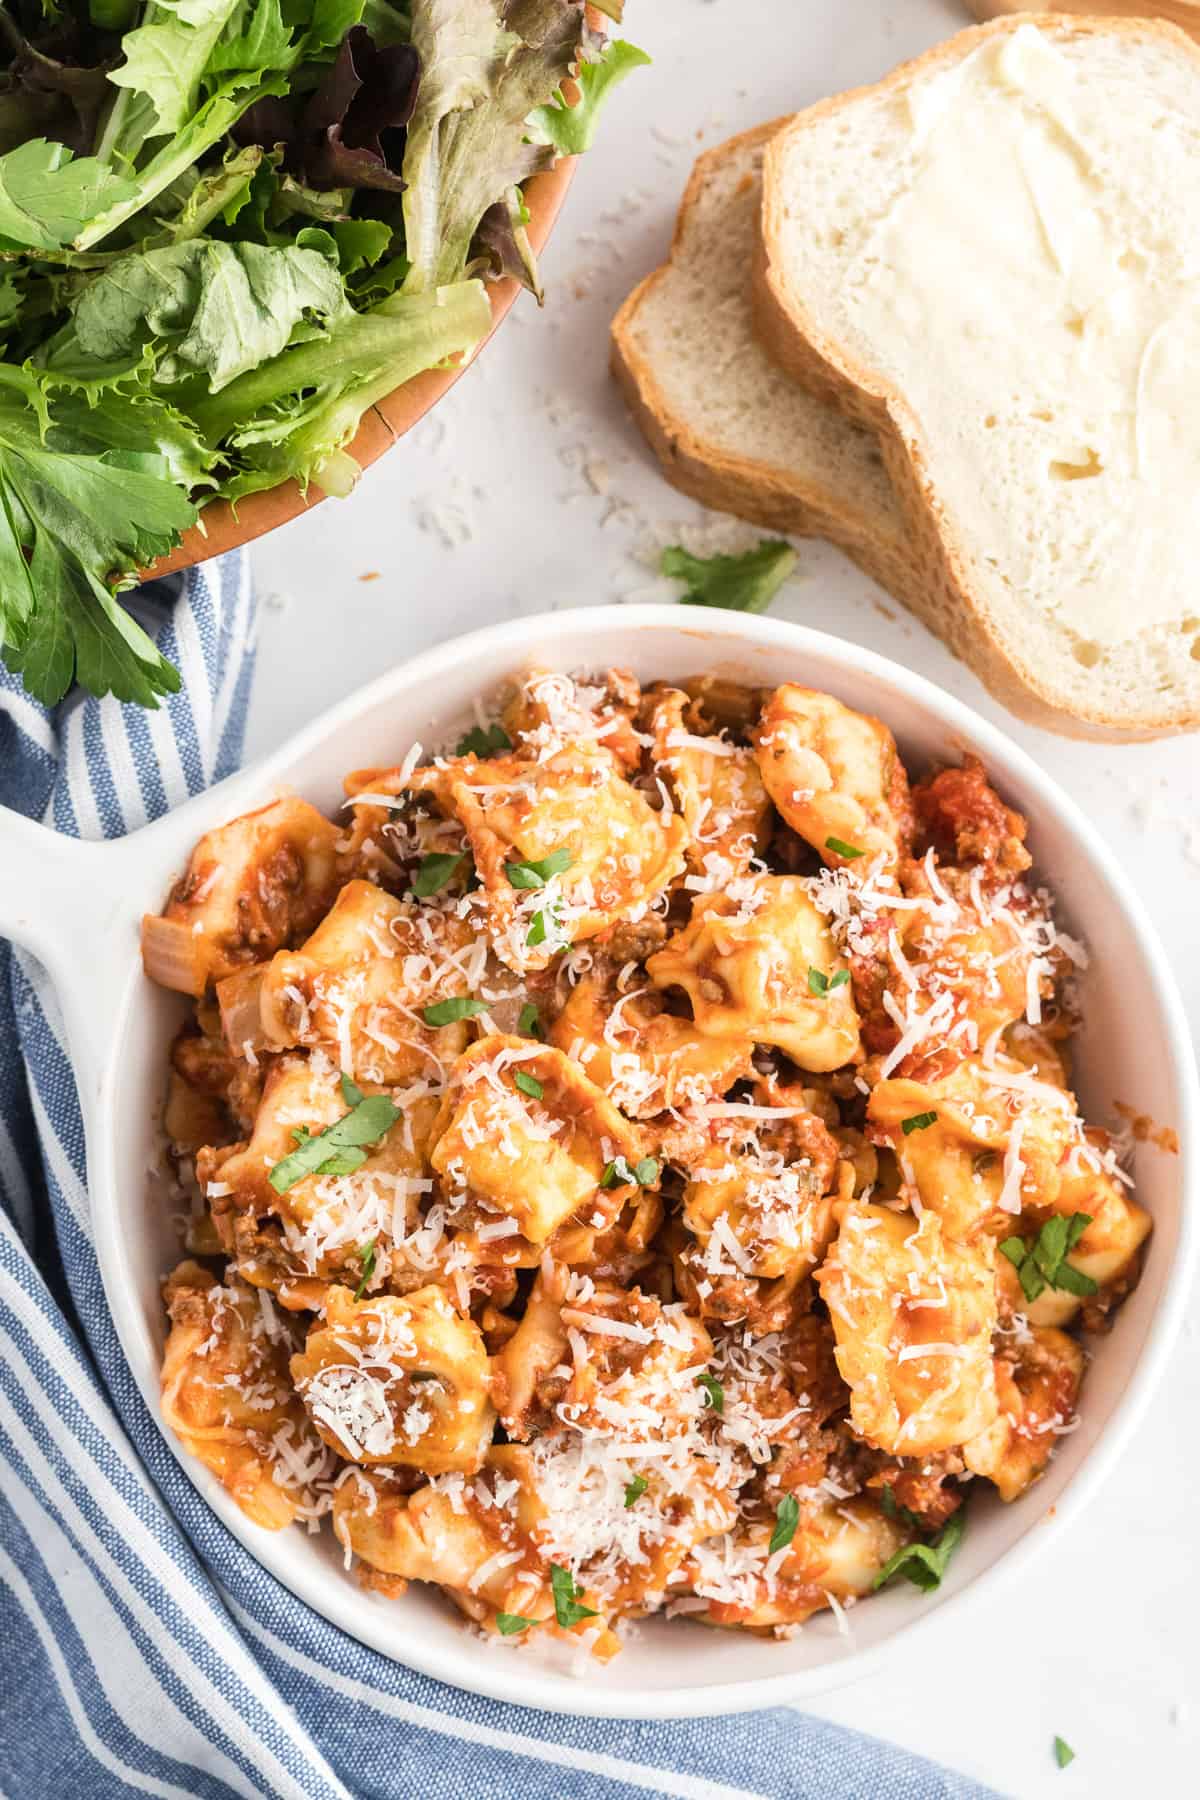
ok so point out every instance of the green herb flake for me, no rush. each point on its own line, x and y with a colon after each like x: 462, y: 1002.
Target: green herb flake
x: 338, y: 1150
x: 821, y: 984
x: 509, y: 1624
x: 435, y: 872
x: 537, y: 874
x: 745, y: 583
x: 618, y: 1173
x: 366, y: 1257
x: 634, y: 1490
x: 841, y: 848
x: 645, y: 1173
x: 1041, y: 1262
x: 529, y: 1084
x: 567, y: 1608
x: 787, y: 1517
x: 892, y: 1510
x: 1063, y: 1753
x: 714, y: 1394
x: 484, y: 741
x: 449, y: 1012
x: 917, y: 1122
x: 925, y: 1564
x: 529, y: 1023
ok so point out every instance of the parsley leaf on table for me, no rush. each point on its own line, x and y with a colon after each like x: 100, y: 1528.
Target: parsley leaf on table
x: 745, y: 583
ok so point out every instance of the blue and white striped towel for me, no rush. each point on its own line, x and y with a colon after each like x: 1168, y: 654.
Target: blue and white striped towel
x: 144, y: 1650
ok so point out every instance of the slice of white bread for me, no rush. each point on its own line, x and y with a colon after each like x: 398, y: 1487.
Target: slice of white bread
x: 991, y: 259
x: 729, y: 427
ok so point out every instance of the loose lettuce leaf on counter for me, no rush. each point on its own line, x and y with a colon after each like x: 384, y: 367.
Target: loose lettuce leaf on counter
x: 571, y: 128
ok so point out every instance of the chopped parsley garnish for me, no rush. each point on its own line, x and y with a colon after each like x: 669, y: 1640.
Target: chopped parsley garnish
x: 917, y: 1122
x: 529, y: 1084
x: 787, y: 1517
x: 484, y: 741
x: 618, y: 1173
x: 434, y: 872
x: 1042, y: 1262
x: 537, y: 931
x: 925, y: 1564
x: 1063, y: 1753
x: 529, y: 1023
x: 567, y: 1608
x: 449, y: 1012
x: 822, y: 984
x: 366, y: 1257
x: 508, y: 1624
x: 338, y: 1150
x: 714, y: 1394
x: 745, y: 583
x: 537, y: 874
x: 635, y: 1489
x: 841, y: 848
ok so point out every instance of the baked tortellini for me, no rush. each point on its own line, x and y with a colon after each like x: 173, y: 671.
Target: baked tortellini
x: 629, y: 1163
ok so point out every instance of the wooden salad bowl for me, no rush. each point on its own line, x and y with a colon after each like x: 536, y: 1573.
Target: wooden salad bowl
x: 222, y: 528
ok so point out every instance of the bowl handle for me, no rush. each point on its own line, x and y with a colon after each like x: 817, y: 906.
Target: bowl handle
x: 73, y: 905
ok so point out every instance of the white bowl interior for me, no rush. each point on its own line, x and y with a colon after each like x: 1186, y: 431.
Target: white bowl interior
x: 1129, y: 1049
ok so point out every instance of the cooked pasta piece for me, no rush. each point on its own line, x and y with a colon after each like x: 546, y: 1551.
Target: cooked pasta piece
x: 717, y: 789
x: 227, y: 1396
x: 522, y: 1134
x: 763, y: 966
x: 836, y: 1554
x: 1107, y: 1253
x: 646, y: 1059
x: 250, y: 887
x: 913, y: 1314
x: 835, y: 776
x: 390, y: 1380
x: 1037, y: 1383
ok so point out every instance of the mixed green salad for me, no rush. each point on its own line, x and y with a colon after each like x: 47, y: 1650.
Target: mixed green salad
x: 227, y: 228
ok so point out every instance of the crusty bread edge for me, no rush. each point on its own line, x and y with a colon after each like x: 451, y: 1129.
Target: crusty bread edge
x: 941, y: 595
x: 761, y: 492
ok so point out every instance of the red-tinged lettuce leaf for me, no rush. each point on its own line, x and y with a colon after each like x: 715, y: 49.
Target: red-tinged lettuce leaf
x: 351, y: 132
x: 502, y: 244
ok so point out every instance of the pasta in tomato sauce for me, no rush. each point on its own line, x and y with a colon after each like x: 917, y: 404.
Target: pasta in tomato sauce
x: 633, y: 1163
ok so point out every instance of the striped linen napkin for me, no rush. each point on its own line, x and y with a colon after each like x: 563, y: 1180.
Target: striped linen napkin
x: 146, y: 1651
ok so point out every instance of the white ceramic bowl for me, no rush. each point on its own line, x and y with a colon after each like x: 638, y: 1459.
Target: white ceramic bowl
x: 1134, y: 1046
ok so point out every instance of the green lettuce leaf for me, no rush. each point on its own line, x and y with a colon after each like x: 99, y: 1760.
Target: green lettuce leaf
x: 167, y: 58
x: 46, y: 193
x: 572, y: 129
x: 223, y: 308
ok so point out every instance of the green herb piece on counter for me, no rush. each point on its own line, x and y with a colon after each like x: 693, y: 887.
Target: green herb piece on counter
x: 925, y: 1564
x: 366, y: 1257
x: 484, y: 741
x: 1063, y: 1753
x: 634, y: 1490
x: 509, y: 1624
x: 572, y: 128
x: 917, y: 1122
x: 714, y: 1394
x: 787, y: 1517
x: 745, y: 583
x: 841, y: 848
x: 529, y: 1084
x: 338, y: 1150
x: 449, y: 1012
x: 1041, y: 1262
x: 537, y: 874
x: 821, y: 984
x: 435, y: 872
x: 567, y: 1607
x: 529, y: 1023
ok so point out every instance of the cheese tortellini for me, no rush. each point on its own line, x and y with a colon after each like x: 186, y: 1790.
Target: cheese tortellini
x: 628, y: 1162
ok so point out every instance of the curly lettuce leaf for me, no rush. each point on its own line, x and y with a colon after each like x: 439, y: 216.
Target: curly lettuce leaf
x: 571, y: 128
x: 168, y: 57
x: 70, y: 521
x: 484, y: 70
x: 214, y: 308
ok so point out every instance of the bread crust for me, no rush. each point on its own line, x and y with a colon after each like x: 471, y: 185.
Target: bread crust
x: 941, y: 597
x: 762, y: 492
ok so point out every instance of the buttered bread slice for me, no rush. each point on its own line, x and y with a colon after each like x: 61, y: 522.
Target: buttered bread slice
x: 729, y: 427
x: 992, y: 259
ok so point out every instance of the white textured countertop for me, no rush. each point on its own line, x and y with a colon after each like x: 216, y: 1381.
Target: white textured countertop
x: 529, y: 488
